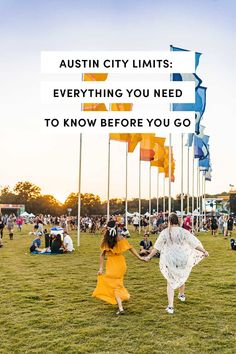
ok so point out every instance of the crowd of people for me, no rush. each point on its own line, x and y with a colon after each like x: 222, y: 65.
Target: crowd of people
x: 55, y: 243
x: 222, y: 224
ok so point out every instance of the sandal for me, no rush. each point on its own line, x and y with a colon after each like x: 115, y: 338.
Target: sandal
x: 120, y: 312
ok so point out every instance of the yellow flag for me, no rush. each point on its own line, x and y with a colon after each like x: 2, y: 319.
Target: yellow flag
x: 133, y: 141
x: 94, y: 107
x: 121, y: 106
x: 119, y: 137
x: 95, y: 77
x: 159, y: 150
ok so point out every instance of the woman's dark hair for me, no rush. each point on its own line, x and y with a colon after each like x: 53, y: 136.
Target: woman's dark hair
x: 58, y: 238
x: 173, y: 219
x: 110, y: 238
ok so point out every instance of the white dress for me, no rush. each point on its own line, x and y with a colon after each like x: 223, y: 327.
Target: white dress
x: 178, y: 254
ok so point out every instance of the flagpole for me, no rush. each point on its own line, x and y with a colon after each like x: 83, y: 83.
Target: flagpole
x: 182, y: 175
x: 126, y: 185
x: 188, y: 181
x: 79, y: 190
x: 193, y: 160
x: 164, y: 192
x: 157, y: 191
x: 202, y: 203
x: 199, y: 195
x: 139, y: 188
x: 197, y: 181
x: 169, y: 200
x: 150, y: 195
x: 108, y: 179
x: 204, y: 198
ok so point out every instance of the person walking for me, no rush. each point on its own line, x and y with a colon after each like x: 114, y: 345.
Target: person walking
x: 110, y: 286
x: 180, y: 251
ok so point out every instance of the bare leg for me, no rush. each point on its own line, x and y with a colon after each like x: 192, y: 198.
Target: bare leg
x: 119, y: 302
x: 182, y: 289
x: 170, y: 295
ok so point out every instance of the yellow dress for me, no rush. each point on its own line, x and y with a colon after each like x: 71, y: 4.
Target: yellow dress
x: 111, y: 283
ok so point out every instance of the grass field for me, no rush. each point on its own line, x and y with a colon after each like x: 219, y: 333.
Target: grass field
x: 46, y: 303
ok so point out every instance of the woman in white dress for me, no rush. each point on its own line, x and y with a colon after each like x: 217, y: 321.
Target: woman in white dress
x: 180, y: 251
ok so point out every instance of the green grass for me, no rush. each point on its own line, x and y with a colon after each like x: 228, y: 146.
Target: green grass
x: 46, y: 303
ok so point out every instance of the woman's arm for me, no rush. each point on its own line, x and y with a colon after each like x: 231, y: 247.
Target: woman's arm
x: 201, y: 249
x: 135, y: 253
x: 152, y: 254
x: 101, y: 259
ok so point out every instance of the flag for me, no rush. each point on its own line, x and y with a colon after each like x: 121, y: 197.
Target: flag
x: 119, y: 137
x: 159, y: 150
x: 147, y: 147
x: 187, y: 77
x: 197, y: 55
x: 130, y: 138
x: 94, y: 106
x: 199, y: 106
x: 207, y: 174
x: 121, y: 106
x: 201, y: 148
x: 200, y: 92
x: 166, y: 164
x: 189, y: 142
x: 134, y: 139
x: 204, y: 164
x: 95, y: 77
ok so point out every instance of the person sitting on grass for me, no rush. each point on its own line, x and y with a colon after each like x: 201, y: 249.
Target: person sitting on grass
x: 145, y: 246
x: 57, y: 245
x: 36, y: 243
x: 68, y: 243
x: 233, y: 244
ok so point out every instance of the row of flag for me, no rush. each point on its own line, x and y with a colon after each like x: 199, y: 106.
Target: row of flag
x: 152, y: 149
x: 198, y: 140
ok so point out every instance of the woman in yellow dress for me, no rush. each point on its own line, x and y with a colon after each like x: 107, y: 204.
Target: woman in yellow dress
x: 110, y: 286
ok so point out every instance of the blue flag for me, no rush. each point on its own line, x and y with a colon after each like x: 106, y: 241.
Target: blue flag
x: 197, y: 55
x: 201, y: 147
x: 204, y: 164
x: 189, y: 142
x: 198, y: 106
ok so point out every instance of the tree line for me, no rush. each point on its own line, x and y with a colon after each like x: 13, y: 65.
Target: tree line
x: 35, y: 202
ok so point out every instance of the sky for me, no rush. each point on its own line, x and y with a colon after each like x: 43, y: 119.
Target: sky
x: 50, y: 159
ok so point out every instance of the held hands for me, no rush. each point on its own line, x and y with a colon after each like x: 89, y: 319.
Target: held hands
x: 141, y: 258
x: 206, y: 254
x: 147, y: 259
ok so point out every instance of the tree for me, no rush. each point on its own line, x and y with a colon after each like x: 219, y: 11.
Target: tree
x: 7, y: 196
x: 26, y: 191
x: 90, y: 204
x: 45, y: 204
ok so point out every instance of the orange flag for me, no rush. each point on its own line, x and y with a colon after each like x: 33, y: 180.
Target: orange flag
x: 133, y: 141
x: 119, y: 137
x: 147, y: 147
x: 95, y: 77
x: 166, y: 164
x: 94, y: 106
x: 121, y: 106
x: 159, y: 150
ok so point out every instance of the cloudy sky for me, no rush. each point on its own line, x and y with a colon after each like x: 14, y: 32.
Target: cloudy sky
x: 50, y: 159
